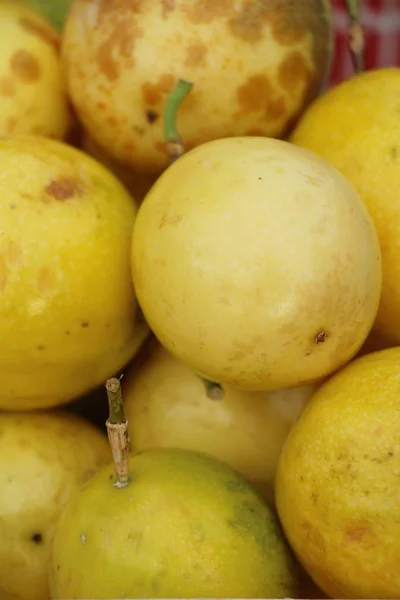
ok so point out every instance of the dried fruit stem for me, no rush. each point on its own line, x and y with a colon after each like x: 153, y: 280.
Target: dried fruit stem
x: 117, y: 429
x: 172, y: 139
x: 214, y: 390
x: 355, y: 33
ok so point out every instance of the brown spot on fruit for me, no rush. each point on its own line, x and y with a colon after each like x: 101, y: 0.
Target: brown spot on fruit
x: 10, y: 125
x: 170, y: 220
x: 153, y: 93
x: 25, y: 66
x: 46, y: 34
x: 122, y: 41
x: 253, y: 94
x: 167, y: 6
x: 202, y: 12
x: 7, y: 86
x: 293, y: 72
x: 275, y: 109
x: 320, y: 337
x: 161, y: 147
x: 196, y: 55
x: 63, y: 188
x: 37, y: 538
x: 151, y: 116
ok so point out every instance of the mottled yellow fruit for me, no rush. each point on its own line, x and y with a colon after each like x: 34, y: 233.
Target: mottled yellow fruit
x: 44, y: 458
x: 255, y: 65
x: 337, y: 487
x: 168, y: 405
x: 256, y: 263
x: 33, y: 98
x: 67, y: 304
x: 137, y: 183
x: 355, y: 126
x: 186, y: 526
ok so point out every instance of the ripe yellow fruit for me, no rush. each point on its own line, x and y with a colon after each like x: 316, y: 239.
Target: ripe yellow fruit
x: 168, y: 405
x: 186, y: 526
x: 337, y: 487
x: 355, y: 126
x: 33, y: 98
x: 68, y: 307
x: 256, y: 263
x: 44, y: 458
x: 255, y: 66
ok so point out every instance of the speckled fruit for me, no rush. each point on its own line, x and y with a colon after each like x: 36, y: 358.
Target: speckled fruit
x: 186, y: 526
x: 168, y: 405
x: 338, y: 481
x: 356, y: 127
x: 32, y: 93
x: 68, y: 308
x: 137, y: 183
x: 44, y: 457
x: 255, y: 65
x: 256, y: 263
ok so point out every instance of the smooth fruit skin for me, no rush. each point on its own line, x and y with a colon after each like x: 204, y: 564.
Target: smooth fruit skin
x: 166, y: 405
x: 68, y: 311
x: 186, y: 526
x: 44, y: 458
x: 337, y: 487
x: 355, y: 126
x: 256, y: 263
x: 33, y: 98
x: 255, y: 65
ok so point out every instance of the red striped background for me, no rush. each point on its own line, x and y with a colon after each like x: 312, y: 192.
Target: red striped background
x: 381, y: 20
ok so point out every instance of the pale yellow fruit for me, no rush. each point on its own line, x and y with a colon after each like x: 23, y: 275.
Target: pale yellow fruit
x: 255, y: 66
x: 186, y: 526
x: 68, y: 312
x: 33, y: 98
x: 338, y: 486
x: 256, y: 263
x: 168, y: 405
x: 356, y: 127
x: 44, y: 458
x: 137, y: 183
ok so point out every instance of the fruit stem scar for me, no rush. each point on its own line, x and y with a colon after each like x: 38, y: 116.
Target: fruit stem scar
x: 173, y: 141
x: 355, y: 35
x: 117, y: 429
x: 214, y: 390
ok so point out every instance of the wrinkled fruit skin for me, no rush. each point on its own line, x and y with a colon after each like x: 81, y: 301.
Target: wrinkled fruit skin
x: 166, y: 405
x: 337, y: 485
x: 44, y: 458
x: 68, y: 311
x: 257, y: 264
x: 186, y: 526
x: 33, y: 98
x: 255, y: 65
x: 355, y: 126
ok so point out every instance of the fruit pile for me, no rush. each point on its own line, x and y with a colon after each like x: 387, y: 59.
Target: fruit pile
x: 199, y: 304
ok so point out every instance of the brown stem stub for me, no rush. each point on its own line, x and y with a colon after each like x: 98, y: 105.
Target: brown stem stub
x: 117, y: 430
x: 175, y: 150
x: 355, y: 34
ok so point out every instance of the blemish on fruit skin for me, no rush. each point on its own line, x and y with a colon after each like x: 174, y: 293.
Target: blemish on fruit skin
x: 37, y: 538
x: 83, y: 538
x: 25, y: 66
x: 121, y: 40
x: 151, y: 116
x: 253, y: 94
x: 394, y: 152
x: 84, y: 324
x: 7, y: 86
x: 196, y: 55
x: 153, y: 93
x: 293, y: 72
x: 63, y: 188
x: 320, y: 337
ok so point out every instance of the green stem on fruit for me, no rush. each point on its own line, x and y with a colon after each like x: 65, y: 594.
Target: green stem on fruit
x: 355, y: 33
x: 117, y: 429
x: 173, y: 141
x: 214, y: 390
